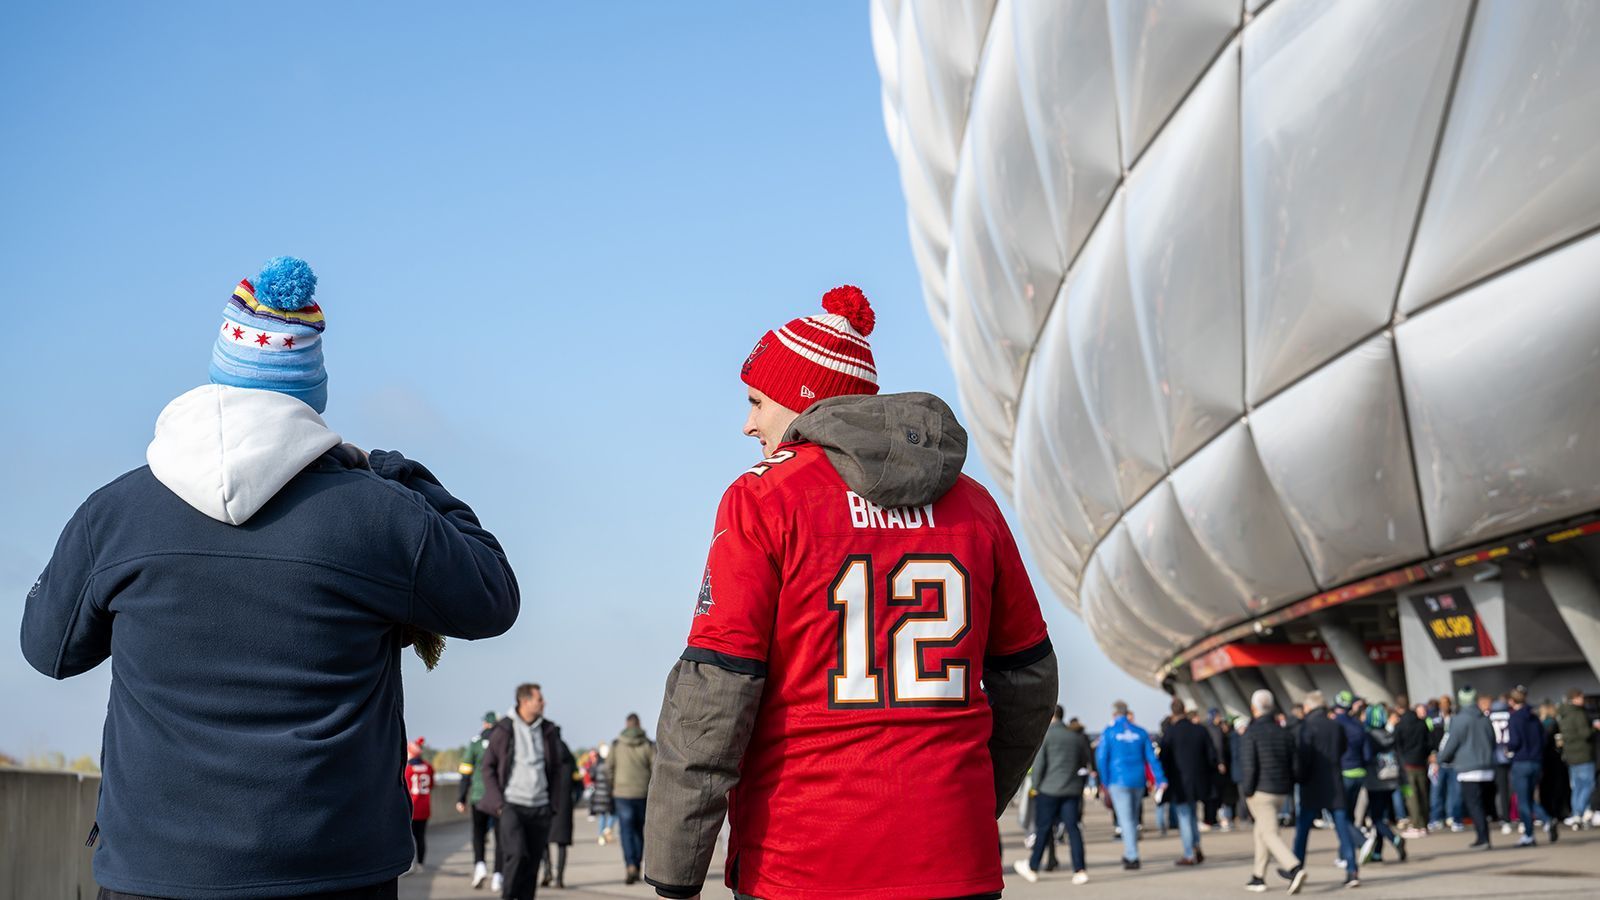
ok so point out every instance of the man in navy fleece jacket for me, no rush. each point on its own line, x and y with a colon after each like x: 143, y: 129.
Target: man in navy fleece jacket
x: 253, y: 587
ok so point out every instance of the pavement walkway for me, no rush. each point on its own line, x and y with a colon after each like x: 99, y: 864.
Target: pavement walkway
x: 1441, y: 866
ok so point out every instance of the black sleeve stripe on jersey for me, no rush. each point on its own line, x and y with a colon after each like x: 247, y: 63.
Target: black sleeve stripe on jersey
x: 682, y: 892
x: 1018, y: 660
x: 736, y: 664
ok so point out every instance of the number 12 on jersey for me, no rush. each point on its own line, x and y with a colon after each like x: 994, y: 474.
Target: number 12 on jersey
x: 858, y: 681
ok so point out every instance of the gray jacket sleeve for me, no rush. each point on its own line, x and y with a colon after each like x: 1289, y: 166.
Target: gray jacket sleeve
x: 707, y: 717
x: 1021, y: 698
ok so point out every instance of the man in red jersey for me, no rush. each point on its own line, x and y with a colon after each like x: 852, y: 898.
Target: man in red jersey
x: 868, y: 675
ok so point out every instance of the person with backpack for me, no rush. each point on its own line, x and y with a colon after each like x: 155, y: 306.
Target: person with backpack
x: 1382, y: 780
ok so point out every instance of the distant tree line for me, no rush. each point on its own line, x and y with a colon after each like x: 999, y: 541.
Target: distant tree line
x: 53, y: 760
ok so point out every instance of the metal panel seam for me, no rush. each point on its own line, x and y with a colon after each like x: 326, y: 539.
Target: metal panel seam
x: 1427, y: 179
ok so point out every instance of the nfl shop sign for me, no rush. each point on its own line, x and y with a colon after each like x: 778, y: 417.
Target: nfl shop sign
x: 1233, y: 656
x: 1453, y: 625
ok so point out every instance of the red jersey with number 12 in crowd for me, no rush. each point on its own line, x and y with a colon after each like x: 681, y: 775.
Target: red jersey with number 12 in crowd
x: 419, y: 783
x: 868, y: 773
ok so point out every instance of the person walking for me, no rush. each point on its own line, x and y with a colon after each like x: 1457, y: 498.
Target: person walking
x: 1577, y: 731
x: 1217, y: 805
x: 864, y: 621
x: 1468, y: 747
x: 418, y: 777
x: 601, y: 804
x: 1267, y: 764
x: 471, y: 792
x: 1236, y: 730
x: 631, y: 763
x: 1123, y: 757
x: 1445, y: 810
x: 525, y: 772
x: 1060, y: 770
x: 1323, y: 744
x: 258, y: 553
x: 566, y: 793
x: 1525, y: 749
x: 1189, y: 757
x: 1382, y: 780
x: 1499, y: 714
x: 1411, y: 745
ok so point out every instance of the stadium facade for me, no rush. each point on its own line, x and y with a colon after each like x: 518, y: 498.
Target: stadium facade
x: 1278, y: 321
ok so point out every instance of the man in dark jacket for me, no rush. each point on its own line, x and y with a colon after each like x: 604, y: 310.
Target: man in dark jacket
x: 926, y: 665
x: 1412, y: 745
x: 1217, y: 802
x: 1267, y: 760
x: 526, y: 771
x: 1060, y: 769
x: 1357, y: 747
x: 1468, y: 748
x: 1525, y: 747
x: 1322, y: 746
x: 263, y: 580
x: 1190, y: 760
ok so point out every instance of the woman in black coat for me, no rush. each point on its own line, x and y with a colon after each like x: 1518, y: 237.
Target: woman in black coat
x: 562, y: 801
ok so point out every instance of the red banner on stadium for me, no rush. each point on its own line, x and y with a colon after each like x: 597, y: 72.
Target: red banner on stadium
x: 1233, y: 656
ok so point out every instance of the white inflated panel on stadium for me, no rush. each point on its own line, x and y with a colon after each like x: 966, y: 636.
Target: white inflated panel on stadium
x: 1247, y: 300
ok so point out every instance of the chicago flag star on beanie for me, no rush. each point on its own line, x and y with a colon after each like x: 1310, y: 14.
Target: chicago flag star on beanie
x: 271, y: 337
x: 816, y: 357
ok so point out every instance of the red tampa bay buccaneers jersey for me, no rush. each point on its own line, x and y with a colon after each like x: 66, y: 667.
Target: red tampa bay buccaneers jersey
x: 419, y: 782
x: 868, y: 773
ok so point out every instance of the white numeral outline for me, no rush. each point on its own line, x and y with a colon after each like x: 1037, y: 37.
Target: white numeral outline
x: 857, y: 680
x: 779, y: 458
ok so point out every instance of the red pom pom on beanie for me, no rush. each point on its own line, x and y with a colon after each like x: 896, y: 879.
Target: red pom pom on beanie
x: 847, y: 300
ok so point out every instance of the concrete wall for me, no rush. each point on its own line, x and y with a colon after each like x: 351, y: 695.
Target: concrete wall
x: 45, y: 818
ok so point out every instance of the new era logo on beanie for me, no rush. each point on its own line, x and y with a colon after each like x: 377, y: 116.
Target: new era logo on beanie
x: 271, y: 335
x: 816, y: 357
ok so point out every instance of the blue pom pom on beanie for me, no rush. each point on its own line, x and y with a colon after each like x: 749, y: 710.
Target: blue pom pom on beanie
x: 271, y: 337
x: 286, y: 283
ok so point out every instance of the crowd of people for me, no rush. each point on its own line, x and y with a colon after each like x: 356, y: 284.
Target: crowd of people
x: 929, y: 667
x: 521, y: 785
x: 1376, y: 775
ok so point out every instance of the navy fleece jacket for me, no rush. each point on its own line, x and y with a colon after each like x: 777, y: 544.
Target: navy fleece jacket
x: 254, y: 737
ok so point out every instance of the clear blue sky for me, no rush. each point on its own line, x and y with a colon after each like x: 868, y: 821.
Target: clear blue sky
x: 546, y: 238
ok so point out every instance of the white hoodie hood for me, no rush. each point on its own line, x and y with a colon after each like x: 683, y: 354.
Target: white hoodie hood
x: 227, y: 451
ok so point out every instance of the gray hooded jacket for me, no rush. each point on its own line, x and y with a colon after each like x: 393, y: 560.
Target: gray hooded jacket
x: 897, y: 451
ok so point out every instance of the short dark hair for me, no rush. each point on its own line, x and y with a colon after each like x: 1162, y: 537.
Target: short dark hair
x: 1401, y: 702
x: 1575, y: 693
x: 1060, y: 713
x: 524, y: 691
x: 1179, y: 708
x: 633, y: 720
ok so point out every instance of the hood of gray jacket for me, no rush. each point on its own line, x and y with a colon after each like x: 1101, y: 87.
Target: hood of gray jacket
x: 896, y: 450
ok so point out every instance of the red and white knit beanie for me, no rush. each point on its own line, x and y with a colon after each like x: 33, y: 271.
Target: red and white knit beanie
x: 816, y: 357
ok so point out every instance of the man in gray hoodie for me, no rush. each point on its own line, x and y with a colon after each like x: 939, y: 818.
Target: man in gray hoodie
x: 866, y: 659
x: 1469, y: 747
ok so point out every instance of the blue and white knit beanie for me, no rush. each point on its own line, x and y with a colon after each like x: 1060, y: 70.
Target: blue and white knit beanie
x: 271, y: 336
